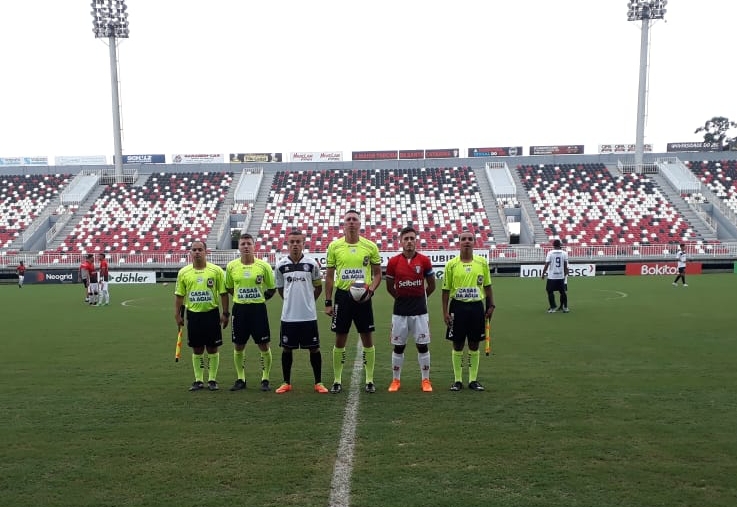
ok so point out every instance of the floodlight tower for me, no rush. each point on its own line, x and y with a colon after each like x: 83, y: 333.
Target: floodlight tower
x: 646, y: 11
x: 110, y: 21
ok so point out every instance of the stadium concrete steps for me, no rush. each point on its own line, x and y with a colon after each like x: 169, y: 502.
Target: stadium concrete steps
x: 219, y: 236
x: 259, y: 207
x: 529, y: 215
x: 81, y: 211
x: 491, y: 206
x: 699, y: 225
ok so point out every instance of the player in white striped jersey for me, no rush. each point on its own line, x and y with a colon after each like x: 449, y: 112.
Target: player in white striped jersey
x: 299, y: 283
x: 557, y: 263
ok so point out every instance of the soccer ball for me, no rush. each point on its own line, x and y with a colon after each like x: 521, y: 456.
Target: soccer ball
x: 358, y: 291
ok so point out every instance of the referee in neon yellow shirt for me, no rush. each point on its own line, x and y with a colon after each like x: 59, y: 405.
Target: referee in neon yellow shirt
x: 352, y: 258
x: 467, y: 302
x: 198, y: 287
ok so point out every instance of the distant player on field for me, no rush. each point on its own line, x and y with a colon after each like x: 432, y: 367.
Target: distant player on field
x: 251, y: 283
x: 468, y: 302
x: 681, y: 258
x: 85, y: 268
x: 299, y: 282
x: 352, y: 258
x: 21, y: 272
x: 410, y: 280
x: 557, y: 262
x: 104, y: 280
x: 199, y: 286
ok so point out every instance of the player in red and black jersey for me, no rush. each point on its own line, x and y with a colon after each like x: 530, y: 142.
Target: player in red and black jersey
x: 104, y: 278
x: 410, y: 279
x: 21, y: 272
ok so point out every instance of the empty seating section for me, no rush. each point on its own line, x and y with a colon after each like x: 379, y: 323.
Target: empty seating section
x: 163, y: 215
x: 584, y: 204
x: 438, y: 202
x: 720, y: 177
x: 23, y: 198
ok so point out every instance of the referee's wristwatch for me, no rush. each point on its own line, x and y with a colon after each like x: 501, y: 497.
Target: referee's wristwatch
x: 328, y: 302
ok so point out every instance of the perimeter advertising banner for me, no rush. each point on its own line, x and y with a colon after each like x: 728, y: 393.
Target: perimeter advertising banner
x: 236, y: 158
x: 198, y: 158
x: 623, y: 148
x: 499, y: 151
x: 660, y: 268
x: 24, y: 161
x: 51, y: 276
x: 574, y: 270
x: 693, y: 146
x: 411, y: 154
x: 316, y: 156
x: 81, y: 160
x: 442, y: 153
x: 132, y: 277
x: 558, y: 149
x: 144, y: 159
x: 375, y: 155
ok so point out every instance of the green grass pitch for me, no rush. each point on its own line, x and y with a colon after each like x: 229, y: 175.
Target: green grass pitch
x: 629, y: 400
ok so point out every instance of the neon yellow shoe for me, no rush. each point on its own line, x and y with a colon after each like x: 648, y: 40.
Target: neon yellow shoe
x: 284, y: 388
x: 394, y: 386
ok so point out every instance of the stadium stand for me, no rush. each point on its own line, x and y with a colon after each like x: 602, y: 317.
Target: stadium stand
x: 23, y: 198
x: 438, y: 201
x: 584, y: 204
x: 720, y: 177
x: 162, y: 215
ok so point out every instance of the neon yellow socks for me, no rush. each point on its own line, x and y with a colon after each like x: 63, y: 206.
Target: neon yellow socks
x: 198, y: 365
x: 266, y: 360
x: 369, y: 362
x: 240, y: 369
x: 457, y: 359
x: 338, y: 362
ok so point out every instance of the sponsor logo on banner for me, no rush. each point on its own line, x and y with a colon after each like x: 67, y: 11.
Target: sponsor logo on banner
x: 695, y: 146
x: 574, y: 270
x: 375, y: 155
x: 316, y: 156
x: 23, y: 161
x: 623, y: 148
x: 36, y: 276
x: 236, y: 158
x: 438, y: 259
x: 81, y: 160
x: 128, y: 277
x: 411, y: 154
x: 660, y: 268
x: 500, y: 151
x: 442, y: 153
x: 558, y: 149
x: 144, y: 159
x: 203, y: 158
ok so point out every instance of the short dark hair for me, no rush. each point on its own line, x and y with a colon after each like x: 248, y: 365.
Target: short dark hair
x: 245, y: 235
x: 407, y: 230
x: 556, y: 243
x: 295, y: 232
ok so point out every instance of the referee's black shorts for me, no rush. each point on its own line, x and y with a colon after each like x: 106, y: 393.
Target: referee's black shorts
x: 347, y: 311
x: 203, y: 329
x: 468, y: 321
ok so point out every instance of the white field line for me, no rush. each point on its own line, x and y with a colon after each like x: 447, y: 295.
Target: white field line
x: 340, y: 488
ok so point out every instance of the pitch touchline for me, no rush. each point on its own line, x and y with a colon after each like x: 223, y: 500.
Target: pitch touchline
x: 340, y: 487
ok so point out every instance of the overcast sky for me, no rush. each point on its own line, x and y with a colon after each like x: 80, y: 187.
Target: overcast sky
x: 222, y: 76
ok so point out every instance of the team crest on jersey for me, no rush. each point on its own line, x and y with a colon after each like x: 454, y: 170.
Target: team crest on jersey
x: 480, y: 280
x: 366, y: 261
x: 259, y: 279
x: 210, y: 283
x: 417, y: 269
x: 306, y: 267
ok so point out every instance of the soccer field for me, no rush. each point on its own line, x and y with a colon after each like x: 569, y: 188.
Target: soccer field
x: 629, y: 400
